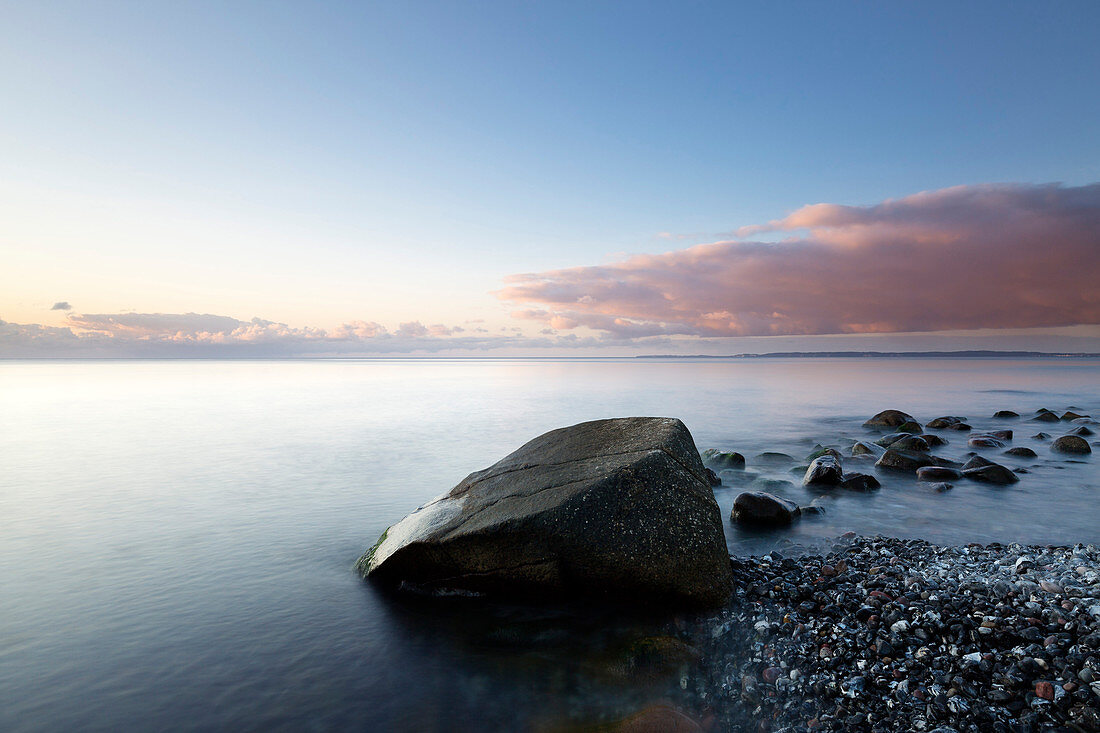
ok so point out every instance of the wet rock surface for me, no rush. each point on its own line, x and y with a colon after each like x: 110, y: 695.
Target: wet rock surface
x: 886, y: 635
x: 618, y: 508
x: 760, y: 508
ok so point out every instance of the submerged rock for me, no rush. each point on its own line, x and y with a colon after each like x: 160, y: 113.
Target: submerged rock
x: 1083, y: 430
x: 1041, y: 436
x: 959, y: 426
x: 946, y: 421
x: 859, y: 482
x: 889, y: 419
x: 763, y: 509
x: 904, y: 460
x: 618, y: 508
x: 938, y: 473
x: 984, y: 441
x: 994, y: 473
x: 723, y: 460
x: 771, y: 458
x: 824, y: 470
x: 911, y: 427
x: 1068, y: 416
x: 1021, y: 452
x: 864, y: 449
x: 911, y: 443
x: 934, y: 440
x: 1070, y: 444
x: 1005, y: 414
x: 1046, y: 417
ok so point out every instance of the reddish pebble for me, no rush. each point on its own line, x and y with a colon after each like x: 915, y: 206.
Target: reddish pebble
x: 771, y: 674
x: 880, y: 595
x: 1045, y: 690
x: 828, y: 571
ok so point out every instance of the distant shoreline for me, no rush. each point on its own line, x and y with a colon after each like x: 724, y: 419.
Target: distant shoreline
x: 570, y: 357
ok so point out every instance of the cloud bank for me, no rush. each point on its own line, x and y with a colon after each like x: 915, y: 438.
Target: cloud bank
x: 207, y: 335
x: 967, y: 257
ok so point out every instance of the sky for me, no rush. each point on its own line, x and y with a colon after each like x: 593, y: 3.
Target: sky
x: 290, y: 179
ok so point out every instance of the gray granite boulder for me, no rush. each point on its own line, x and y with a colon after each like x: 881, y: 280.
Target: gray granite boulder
x: 616, y: 508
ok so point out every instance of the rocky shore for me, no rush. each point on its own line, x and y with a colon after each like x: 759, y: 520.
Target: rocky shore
x: 887, y: 634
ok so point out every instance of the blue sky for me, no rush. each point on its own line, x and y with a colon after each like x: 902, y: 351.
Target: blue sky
x: 316, y: 164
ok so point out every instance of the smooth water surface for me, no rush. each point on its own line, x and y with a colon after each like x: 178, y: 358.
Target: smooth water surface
x: 177, y: 537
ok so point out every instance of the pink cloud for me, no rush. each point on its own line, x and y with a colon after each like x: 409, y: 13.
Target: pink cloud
x: 968, y: 257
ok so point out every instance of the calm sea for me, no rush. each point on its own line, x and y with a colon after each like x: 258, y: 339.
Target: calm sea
x: 177, y: 537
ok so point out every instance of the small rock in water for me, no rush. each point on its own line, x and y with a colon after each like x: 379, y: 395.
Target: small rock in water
x: 1046, y: 417
x: 889, y: 419
x: 1083, y: 431
x: 977, y: 462
x: 910, y: 427
x: 772, y: 458
x: 864, y: 449
x: 984, y: 441
x: 860, y: 482
x: 933, y: 440
x: 763, y: 509
x: 1070, y: 444
x: 993, y: 474
x: 1005, y: 414
x: 712, y: 477
x: 723, y: 460
x: 941, y: 487
x: 904, y: 460
x: 1070, y: 415
x: 946, y: 421
x: 959, y: 426
x: 823, y: 471
x: 1041, y: 436
x: 937, y: 473
x: 912, y: 443
x: 1021, y: 452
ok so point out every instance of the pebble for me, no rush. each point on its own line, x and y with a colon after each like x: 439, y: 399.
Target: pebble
x: 907, y: 636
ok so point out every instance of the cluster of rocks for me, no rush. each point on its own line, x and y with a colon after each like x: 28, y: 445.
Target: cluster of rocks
x: 887, y: 634
x: 907, y: 448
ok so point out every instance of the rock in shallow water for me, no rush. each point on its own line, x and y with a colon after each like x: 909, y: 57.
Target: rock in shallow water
x: 904, y: 460
x: 1070, y: 444
x: 617, y: 508
x: 889, y: 419
x: 824, y: 470
x: 763, y: 509
x: 723, y: 460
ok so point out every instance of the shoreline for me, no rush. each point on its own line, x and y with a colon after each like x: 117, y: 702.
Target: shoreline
x: 891, y: 634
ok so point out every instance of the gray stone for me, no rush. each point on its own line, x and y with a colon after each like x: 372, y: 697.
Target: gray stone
x: 946, y: 421
x: 991, y: 474
x: 1005, y: 414
x: 723, y: 460
x: 984, y: 441
x: 904, y: 460
x: 1021, y: 452
x: 938, y: 473
x: 823, y: 471
x: 859, y: 482
x: 617, y: 508
x: 763, y: 509
x: 1070, y: 444
x: 911, y: 443
x: 889, y: 419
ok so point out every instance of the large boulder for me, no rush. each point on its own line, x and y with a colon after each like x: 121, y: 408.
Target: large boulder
x: 617, y: 508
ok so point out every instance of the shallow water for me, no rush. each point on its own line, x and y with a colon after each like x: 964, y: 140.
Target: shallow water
x: 177, y: 537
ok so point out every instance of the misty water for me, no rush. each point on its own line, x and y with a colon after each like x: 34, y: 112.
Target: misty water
x: 177, y: 537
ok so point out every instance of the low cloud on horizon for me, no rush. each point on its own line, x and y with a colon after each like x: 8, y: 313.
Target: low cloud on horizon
x: 961, y: 264
x: 991, y: 256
